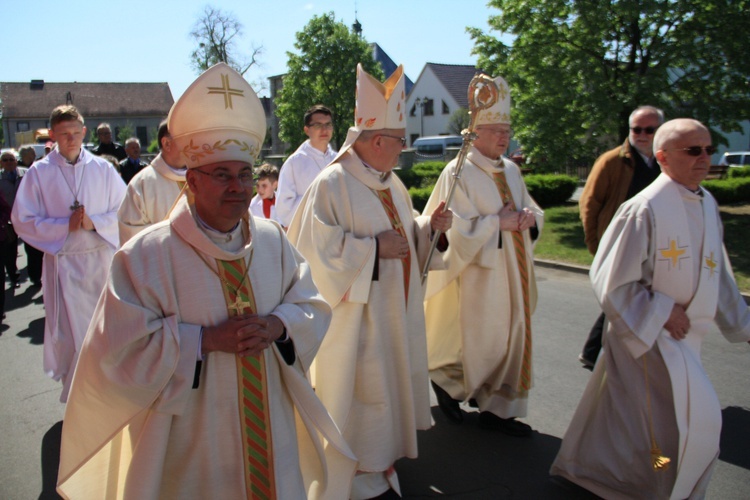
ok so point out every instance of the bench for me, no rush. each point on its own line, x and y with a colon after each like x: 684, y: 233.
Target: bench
x: 717, y: 172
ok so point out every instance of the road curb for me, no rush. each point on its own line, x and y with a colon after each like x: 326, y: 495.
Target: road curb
x: 574, y: 268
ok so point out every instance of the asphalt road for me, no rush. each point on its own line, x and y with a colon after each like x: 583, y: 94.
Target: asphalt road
x: 462, y: 462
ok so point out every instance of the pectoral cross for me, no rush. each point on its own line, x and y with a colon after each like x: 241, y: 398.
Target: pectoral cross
x: 75, y: 206
x: 238, y: 305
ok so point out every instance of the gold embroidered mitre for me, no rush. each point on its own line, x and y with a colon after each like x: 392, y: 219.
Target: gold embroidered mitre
x: 500, y: 111
x: 218, y: 118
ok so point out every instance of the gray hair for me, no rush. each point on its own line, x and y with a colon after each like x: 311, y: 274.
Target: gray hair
x: 133, y: 140
x: 650, y: 109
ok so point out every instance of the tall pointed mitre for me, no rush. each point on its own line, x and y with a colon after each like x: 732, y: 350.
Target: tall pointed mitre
x: 500, y: 111
x: 218, y: 118
x: 377, y: 105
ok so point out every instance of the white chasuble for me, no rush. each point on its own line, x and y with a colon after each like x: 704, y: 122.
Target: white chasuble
x: 371, y: 371
x: 149, y: 197
x: 662, y: 248
x: 474, y: 310
x: 137, y: 427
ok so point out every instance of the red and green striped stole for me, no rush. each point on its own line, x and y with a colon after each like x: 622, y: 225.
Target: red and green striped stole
x: 390, y: 209
x: 255, y: 420
x: 523, y: 270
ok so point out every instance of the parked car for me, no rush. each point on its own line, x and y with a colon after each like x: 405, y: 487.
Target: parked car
x: 436, y: 145
x: 735, y: 158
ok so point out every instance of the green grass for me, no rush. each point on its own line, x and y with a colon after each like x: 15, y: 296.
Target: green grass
x: 562, y: 239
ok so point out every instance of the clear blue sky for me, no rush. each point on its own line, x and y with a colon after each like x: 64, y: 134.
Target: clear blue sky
x: 148, y: 41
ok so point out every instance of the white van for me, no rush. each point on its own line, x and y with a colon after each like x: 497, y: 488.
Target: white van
x: 436, y: 145
x: 736, y: 158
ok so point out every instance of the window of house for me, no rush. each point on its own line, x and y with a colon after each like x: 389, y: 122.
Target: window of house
x: 446, y: 109
x: 22, y: 126
x: 428, y: 107
x: 413, y: 111
x: 413, y: 137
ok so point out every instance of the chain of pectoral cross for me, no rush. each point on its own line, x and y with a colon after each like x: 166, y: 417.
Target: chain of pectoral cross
x: 76, y: 204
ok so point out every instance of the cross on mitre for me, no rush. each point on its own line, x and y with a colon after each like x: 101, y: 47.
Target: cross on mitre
x: 227, y: 91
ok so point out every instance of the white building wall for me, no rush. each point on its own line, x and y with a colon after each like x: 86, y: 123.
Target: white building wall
x: 428, y: 86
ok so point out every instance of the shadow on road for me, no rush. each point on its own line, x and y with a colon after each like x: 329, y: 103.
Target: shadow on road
x: 34, y: 332
x: 464, y: 461
x: 735, y: 436
x: 50, y: 462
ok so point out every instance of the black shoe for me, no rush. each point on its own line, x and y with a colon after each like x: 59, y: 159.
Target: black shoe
x: 16, y: 284
x: 509, y: 426
x: 36, y: 284
x: 473, y: 403
x: 447, y: 404
x: 587, y: 363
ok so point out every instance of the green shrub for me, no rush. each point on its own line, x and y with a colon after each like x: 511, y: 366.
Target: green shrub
x: 726, y: 191
x: 551, y: 189
x: 419, y: 197
x: 421, y: 175
x: 738, y: 172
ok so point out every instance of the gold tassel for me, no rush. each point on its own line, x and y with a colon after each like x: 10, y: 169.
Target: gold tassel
x: 658, y: 461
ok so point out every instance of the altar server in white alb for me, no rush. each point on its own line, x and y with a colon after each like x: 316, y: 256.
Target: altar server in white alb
x: 649, y: 420
x: 306, y: 162
x: 153, y: 191
x: 478, y: 311
x: 66, y: 207
x: 191, y: 382
x: 357, y: 229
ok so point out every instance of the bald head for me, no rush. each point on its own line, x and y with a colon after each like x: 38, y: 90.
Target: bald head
x: 671, y: 144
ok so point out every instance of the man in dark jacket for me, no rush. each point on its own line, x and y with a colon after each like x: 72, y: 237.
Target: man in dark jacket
x: 133, y: 163
x: 616, y: 176
x: 106, y: 146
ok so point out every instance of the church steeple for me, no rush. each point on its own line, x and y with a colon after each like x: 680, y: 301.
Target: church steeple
x: 356, y: 27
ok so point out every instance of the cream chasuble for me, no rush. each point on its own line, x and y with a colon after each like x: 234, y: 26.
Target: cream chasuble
x: 371, y: 371
x: 663, y: 247
x: 475, y: 313
x: 135, y: 427
x: 149, y: 197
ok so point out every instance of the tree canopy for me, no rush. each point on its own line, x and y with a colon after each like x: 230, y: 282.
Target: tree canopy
x: 324, y: 71
x: 217, y: 35
x: 577, y: 68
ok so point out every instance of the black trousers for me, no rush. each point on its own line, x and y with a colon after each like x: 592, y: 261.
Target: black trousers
x: 34, y: 259
x: 594, y: 342
x: 10, y: 254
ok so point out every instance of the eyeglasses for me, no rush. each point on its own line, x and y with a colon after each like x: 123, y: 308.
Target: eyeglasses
x: 498, y: 132
x: 8, y: 159
x: 648, y: 130
x: 696, y: 150
x: 225, y: 178
x: 321, y: 126
x: 402, y: 139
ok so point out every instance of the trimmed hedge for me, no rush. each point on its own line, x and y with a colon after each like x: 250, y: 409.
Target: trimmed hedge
x: 421, y: 175
x: 738, y: 172
x: 551, y: 189
x: 733, y: 190
x: 419, y: 197
x: 547, y: 189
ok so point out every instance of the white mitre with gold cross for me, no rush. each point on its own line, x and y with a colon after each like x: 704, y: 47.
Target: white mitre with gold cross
x: 498, y: 113
x: 218, y: 118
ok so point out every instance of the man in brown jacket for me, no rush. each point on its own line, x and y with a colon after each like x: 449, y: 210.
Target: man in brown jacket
x: 616, y: 176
